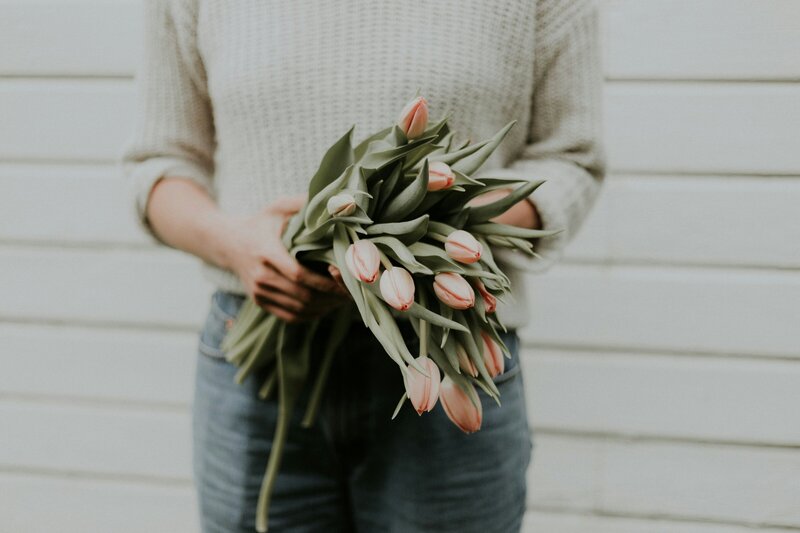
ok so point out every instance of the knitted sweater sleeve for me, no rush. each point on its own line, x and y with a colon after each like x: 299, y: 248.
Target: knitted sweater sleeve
x: 174, y: 134
x: 563, y: 143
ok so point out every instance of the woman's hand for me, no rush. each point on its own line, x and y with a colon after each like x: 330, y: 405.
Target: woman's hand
x: 271, y: 276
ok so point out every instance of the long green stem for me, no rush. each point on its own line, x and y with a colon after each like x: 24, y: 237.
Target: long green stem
x: 339, y: 329
x: 385, y: 261
x: 437, y: 237
x: 423, y: 329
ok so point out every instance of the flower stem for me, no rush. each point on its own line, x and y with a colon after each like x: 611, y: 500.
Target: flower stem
x: 387, y: 264
x: 423, y: 329
x: 437, y: 237
x: 353, y: 234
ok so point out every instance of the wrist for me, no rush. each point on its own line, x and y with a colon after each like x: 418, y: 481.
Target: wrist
x: 224, y: 237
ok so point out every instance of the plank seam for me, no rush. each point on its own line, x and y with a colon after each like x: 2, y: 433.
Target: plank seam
x: 56, y: 473
x: 658, y: 516
x: 638, y: 438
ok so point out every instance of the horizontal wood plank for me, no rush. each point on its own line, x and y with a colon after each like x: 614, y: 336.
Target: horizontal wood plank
x: 97, y: 364
x: 538, y: 521
x: 685, y: 397
x: 43, y: 504
x: 65, y: 120
x: 677, y: 309
x: 89, y: 204
x: 666, y: 128
x: 715, y: 220
x: 96, y: 439
x: 738, y: 128
x: 730, y: 484
x: 746, y: 485
x: 702, y: 39
x: 70, y: 37
x: 160, y: 288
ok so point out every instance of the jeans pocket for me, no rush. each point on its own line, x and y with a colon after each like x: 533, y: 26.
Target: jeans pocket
x: 223, y: 311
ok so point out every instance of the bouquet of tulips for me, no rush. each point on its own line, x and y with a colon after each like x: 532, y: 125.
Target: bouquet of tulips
x: 393, y: 214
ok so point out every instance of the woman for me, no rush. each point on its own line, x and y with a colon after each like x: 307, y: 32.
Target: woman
x: 238, y: 102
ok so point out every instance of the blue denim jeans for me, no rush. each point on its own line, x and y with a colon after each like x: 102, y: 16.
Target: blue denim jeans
x: 355, y: 470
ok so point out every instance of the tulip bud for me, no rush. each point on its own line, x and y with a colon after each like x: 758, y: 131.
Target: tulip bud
x: 464, y: 362
x: 492, y: 356
x: 459, y: 408
x: 363, y: 260
x: 341, y: 205
x: 463, y: 247
x: 397, y: 288
x: 453, y: 290
x: 440, y: 176
x: 414, y: 117
x: 489, y: 300
x: 423, y: 391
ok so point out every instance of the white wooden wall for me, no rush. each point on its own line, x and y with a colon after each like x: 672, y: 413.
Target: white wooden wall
x: 663, y: 363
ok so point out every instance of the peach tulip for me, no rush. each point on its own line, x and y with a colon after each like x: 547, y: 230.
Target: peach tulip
x: 423, y: 391
x: 363, y: 260
x: 341, y: 205
x: 440, y: 176
x: 459, y: 408
x: 492, y: 356
x: 414, y: 117
x: 463, y: 247
x: 397, y: 288
x: 453, y: 290
x: 489, y: 300
x: 464, y: 361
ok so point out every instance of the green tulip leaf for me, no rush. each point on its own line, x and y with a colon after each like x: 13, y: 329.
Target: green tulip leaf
x: 507, y: 230
x: 484, y: 213
x: 317, y: 204
x: 463, y: 179
x: 389, y: 186
x: 361, y: 149
x: 475, y: 160
x: 377, y: 160
x: 408, y: 199
x: 340, y: 244
x: 334, y: 162
x: 407, y: 232
x: 401, y: 253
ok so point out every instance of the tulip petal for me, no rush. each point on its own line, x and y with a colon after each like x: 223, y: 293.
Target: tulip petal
x: 459, y: 408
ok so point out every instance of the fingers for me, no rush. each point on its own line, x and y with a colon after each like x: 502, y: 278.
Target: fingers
x: 291, y: 301
x: 275, y: 280
x: 297, y: 273
x: 283, y: 300
x: 290, y: 310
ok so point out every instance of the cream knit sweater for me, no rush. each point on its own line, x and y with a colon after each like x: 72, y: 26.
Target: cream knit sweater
x: 244, y: 96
